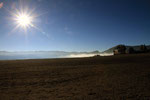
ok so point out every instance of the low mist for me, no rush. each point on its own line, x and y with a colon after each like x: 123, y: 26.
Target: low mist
x: 47, y: 54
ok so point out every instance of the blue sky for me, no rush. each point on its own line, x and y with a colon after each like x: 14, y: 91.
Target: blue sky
x: 76, y: 25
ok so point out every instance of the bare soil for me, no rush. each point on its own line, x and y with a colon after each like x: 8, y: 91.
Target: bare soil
x: 122, y: 77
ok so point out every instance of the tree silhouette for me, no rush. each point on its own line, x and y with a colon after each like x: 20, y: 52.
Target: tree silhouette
x: 131, y: 50
x: 143, y: 48
x: 120, y: 49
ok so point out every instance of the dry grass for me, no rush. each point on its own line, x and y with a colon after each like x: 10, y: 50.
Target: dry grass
x: 124, y: 77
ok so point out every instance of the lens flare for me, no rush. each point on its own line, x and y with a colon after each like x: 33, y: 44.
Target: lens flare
x: 24, y: 20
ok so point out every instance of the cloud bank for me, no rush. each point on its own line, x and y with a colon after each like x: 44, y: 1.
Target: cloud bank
x: 88, y: 55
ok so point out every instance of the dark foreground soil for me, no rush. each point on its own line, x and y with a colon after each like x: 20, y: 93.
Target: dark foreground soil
x: 123, y: 77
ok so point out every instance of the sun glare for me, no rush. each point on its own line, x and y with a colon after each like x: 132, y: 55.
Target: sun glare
x: 24, y: 20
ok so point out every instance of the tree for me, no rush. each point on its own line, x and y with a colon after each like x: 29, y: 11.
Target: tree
x: 143, y: 48
x: 121, y: 49
x: 131, y: 50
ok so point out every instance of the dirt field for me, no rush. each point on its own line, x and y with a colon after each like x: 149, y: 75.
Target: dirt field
x: 123, y: 77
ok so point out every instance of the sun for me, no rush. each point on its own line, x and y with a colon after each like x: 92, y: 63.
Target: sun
x: 24, y: 20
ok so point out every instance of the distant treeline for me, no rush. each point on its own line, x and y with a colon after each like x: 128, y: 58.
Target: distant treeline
x: 121, y: 49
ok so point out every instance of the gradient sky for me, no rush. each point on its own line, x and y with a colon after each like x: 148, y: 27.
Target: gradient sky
x: 76, y: 25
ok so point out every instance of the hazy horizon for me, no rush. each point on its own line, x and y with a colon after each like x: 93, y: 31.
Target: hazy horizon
x: 47, y: 54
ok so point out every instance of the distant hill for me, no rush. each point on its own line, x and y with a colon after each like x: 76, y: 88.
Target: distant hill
x: 137, y: 47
